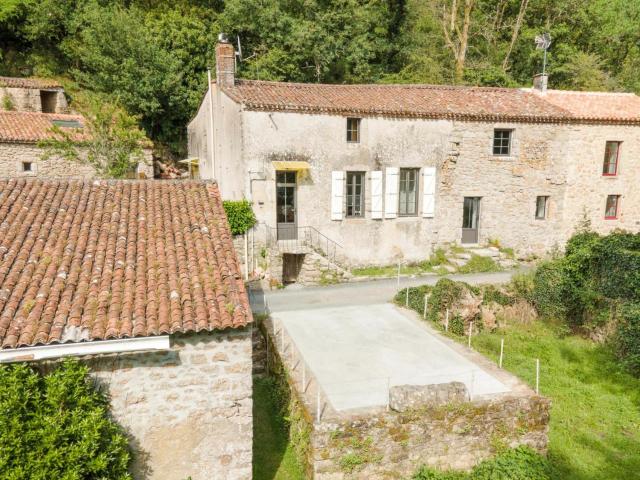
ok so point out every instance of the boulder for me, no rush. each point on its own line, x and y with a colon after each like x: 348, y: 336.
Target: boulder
x: 403, y: 398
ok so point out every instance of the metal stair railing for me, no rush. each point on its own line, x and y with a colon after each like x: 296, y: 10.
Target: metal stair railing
x: 307, y: 237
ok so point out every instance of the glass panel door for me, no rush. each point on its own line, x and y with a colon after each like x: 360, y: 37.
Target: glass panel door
x: 470, y: 219
x: 286, y: 205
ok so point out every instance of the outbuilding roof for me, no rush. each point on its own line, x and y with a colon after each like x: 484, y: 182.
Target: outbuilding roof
x: 99, y: 260
x: 438, y: 102
x: 35, y: 83
x: 32, y: 127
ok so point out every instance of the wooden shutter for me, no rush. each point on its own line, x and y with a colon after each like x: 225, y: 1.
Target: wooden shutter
x: 376, y: 194
x: 429, y: 192
x: 391, y: 192
x: 337, y: 194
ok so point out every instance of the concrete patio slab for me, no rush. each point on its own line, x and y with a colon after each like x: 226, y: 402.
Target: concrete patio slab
x: 357, y: 352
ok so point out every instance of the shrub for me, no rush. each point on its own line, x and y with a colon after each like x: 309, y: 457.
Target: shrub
x: 57, y: 426
x: 627, y: 338
x: 444, y: 294
x: 240, y: 216
x: 522, y: 286
x: 491, y: 293
x: 478, y: 264
x: 616, y: 265
x: 521, y: 463
x: 416, y: 297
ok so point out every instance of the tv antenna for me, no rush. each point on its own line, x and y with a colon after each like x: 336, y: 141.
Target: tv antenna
x: 543, y: 42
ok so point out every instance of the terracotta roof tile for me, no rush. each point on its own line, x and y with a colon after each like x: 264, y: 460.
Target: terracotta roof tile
x: 429, y: 101
x: 36, y: 83
x: 99, y: 260
x: 32, y: 127
x: 600, y: 106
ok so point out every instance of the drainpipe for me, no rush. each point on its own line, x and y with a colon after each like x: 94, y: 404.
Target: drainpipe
x: 213, y: 143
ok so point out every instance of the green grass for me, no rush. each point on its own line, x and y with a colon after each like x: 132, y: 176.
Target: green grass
x: 273, y: 455
x: 478, y: 264
x: 595, y: 415
x: 391, y: 270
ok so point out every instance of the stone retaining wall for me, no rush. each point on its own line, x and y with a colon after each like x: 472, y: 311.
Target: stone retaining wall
x: 379, y: 444
x: 188, y: 411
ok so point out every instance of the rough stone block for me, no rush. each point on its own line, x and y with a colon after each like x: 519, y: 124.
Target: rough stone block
x: 410, y: 397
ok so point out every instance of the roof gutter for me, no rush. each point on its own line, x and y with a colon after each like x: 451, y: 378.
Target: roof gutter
x: 127, y: 345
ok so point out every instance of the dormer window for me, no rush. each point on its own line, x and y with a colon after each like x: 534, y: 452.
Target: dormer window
x: 611, y: 158
x: 353, y: 130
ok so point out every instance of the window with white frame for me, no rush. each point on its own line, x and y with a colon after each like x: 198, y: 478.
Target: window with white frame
x: 353, y: 130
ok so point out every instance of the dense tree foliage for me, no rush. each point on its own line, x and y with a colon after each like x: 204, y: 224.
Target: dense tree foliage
x: 152, y: 55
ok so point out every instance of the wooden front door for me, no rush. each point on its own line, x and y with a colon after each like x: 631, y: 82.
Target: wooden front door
x: 286, y: 205
x: 470, y: 219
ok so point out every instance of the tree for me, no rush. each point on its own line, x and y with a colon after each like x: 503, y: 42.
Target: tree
x: 456, y: 23
x: 110, y: 141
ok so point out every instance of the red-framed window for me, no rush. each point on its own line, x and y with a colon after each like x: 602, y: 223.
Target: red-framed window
x: 611, y: 159
x: 612, y: 207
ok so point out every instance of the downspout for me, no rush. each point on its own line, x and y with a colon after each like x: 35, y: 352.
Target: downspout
x: 213, y: 143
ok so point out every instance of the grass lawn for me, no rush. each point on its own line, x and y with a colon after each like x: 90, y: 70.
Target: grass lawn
x: 595, y: 417
x: 273, y: 456
x: 391, y: 270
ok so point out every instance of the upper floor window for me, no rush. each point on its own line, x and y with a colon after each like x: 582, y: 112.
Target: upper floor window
x: 541, y: 207
x: 408, y: 192
x: 611, y: 209
x: 502, y: 141
x: 611, y: 157
x: 355, y: 194
x: 353, y: 130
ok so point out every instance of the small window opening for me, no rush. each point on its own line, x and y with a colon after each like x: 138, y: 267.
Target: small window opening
x: 502, y: 141
x: 353, y: 130
x: 48, y: 101
x: 612, y: 207
x: 27, y: 166
x: 541, y: 207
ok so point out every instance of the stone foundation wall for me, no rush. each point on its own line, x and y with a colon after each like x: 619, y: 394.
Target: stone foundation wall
x: 380, y: 444
x: 187, y: 411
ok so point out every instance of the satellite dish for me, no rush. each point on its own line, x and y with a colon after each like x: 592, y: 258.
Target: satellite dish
x: 543, y: 42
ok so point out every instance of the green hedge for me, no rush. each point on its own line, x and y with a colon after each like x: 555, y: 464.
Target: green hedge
x: 240, y: 215
x: 616, y: 266
x: 521, y: 463
x: 627, y: 341
x: 58, y: 426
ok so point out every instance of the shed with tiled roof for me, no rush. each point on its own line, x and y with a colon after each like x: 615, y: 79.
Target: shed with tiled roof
x: 140, y: 281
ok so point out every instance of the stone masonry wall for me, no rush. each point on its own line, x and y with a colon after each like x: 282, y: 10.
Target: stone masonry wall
x: 12, y: 156
x: 188, y: 411
x: 29, y: 100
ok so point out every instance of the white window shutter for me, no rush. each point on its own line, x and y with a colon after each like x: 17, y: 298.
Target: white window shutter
x: 337, y: 194
x: 376, y: 194
x: 391, y: 193
x: 429, y: 192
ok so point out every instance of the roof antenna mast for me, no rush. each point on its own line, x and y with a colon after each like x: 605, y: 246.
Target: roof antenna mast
x: 543, y: 42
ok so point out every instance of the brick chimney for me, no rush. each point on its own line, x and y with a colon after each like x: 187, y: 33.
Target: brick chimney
x: 540, y: 82
x: 225, y: 62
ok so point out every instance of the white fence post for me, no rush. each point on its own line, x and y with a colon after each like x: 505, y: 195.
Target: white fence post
x: 407, y: 301
x: 501, y: 351
x: 424, y: 314
x: 470, y: 332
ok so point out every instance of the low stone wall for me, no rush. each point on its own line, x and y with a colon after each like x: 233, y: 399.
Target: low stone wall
x: 435, y: 426
x: 188, y: 411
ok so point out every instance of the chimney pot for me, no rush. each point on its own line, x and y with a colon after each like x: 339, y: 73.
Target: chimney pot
x: 540, y: 82
x: 225, y: 62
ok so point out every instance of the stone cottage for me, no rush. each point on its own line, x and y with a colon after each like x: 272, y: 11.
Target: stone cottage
x: 386, y: 173
x: 30, y: 109
x: 140, y: 280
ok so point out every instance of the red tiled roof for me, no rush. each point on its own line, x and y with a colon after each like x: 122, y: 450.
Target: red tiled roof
x: 99, y: 260
x: 597, y: 106
x: 36, y: 83
x: 424, y: 101
x: 32, y: 127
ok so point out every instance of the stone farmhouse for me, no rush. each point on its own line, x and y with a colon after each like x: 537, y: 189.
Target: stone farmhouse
x: 386, y: 173
x: 139, y: 279
x: 29, y: 111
